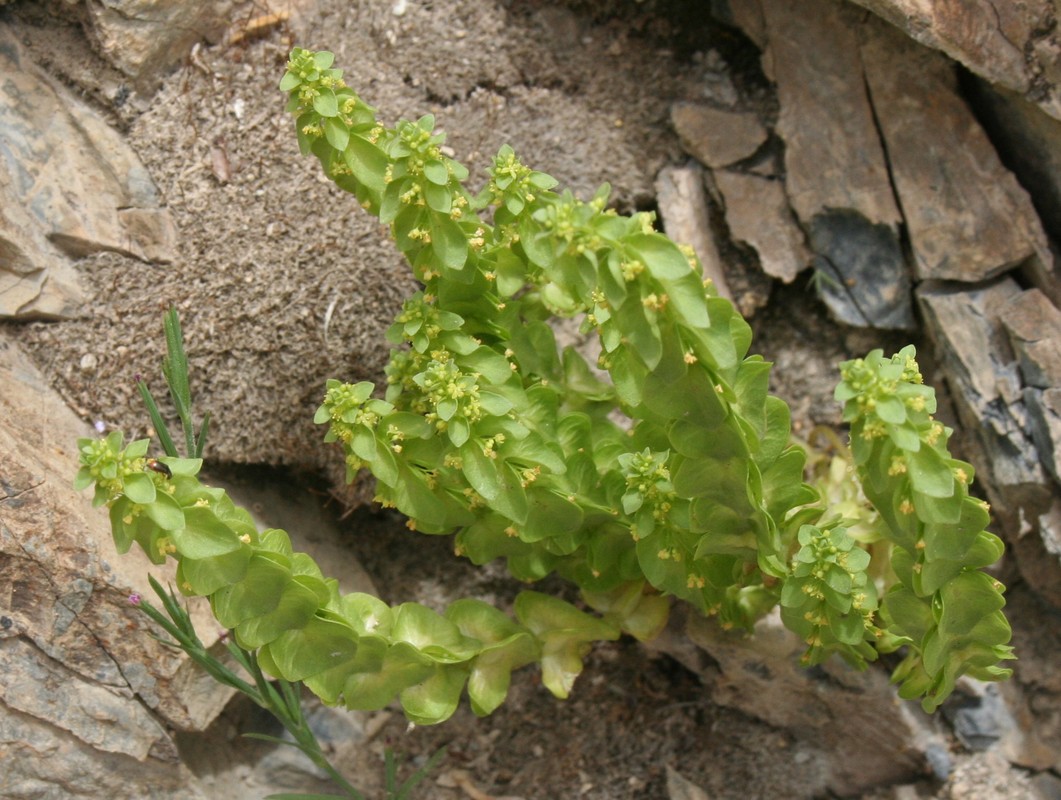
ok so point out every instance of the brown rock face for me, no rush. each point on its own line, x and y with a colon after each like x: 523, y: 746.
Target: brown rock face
x: 757, y: 213
x: 70, y: 186
x: 966, y: 215
x: 86, y: 691
x: 1013, y: 43
x: 716, y: 137
x: 836, y: 169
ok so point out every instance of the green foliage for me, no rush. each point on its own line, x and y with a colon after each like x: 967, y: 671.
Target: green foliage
x: 948, y: 611
x: 665, y: 470
x: 280, y: 697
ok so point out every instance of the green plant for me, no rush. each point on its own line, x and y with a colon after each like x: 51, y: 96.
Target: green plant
x: 664, y: 470
x: 280, y: 697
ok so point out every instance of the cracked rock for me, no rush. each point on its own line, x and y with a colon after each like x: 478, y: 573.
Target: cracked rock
x: 836, y: 172
x: 69, y: 186
x: 967, y: 217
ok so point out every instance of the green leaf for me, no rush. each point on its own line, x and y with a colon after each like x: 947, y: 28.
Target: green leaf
x: 436, y: 172
x: 549, y: 514
x: 487, y: 362
x: 319, y: 645
x: 413, y: 497
x: 297, y: 604
x: 402, y: 666
x: 491, y: 672
x: 257, y: 594
x: 432, y: 634
x: 139, y: 488
x: 368, y: 163
x: 565, y: 633
x: 165, y: 512
x: 325, y: 103
x: 207, y: 575
x: 439, y: 198
x: 448, y: 241
x: 929, y: 473
x: 435, y: 699
x: 204, y: 535
x: 290, y: 81
x: 336, y: 132
x: 481, y: 471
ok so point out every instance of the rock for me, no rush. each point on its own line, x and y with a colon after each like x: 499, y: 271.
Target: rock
x: 1008, y: 447
x: 833, y: 155
x: 827, y: 709
x: 860, y: 270
x: 716, y: 137
x: 1044, y: 416
x: 1029, y: 142
x: 683, y: 208
x: 1047, y: 786
x: 145, y: 38
x: 681, y: 788
x: 1013, y: 44
x: 69, y: 186
x: 85, y: 684
x: 1034, y: 327
x: 837, y: 176
x: 978, y: 714
x: 985, y: 383
x: 87, y: 691
x: 987, y: 775
x: 967, y: 217
x: 1038, y: 550
x: 758, y: 215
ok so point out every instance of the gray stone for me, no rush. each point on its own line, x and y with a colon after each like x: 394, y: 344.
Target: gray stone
x: 836, y: 172
x: 69, y: 186
x: 833, y: 155
x: 1013, y: 430
x: 1013, y: 44
x: 1044, y: 417
x: 1034, y: 327
x: 978, y: 714
x: 683, y: 208
x: 758, y: 215
x: 717, y: 137
x: 967, y: 217
x: 986, y: 386
x: 860, y: 270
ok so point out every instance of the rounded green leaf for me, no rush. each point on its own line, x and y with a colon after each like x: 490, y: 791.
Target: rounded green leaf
x: 325, y: 103
x: 256, y: 595
x: 165, y: 512
x: 139, y: 488
x: 319, y: 645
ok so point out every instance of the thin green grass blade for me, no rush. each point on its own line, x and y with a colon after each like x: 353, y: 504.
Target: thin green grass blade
x: 413, y: 780
x: 200, y: 441
x: 157, y: 422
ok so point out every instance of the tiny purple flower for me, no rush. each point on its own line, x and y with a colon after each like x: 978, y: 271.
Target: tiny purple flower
x: 100, y: 426
x: 134, y: 599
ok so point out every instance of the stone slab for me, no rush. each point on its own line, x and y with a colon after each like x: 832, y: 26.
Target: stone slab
x: 966, y: 216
